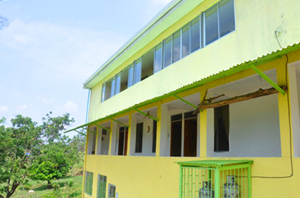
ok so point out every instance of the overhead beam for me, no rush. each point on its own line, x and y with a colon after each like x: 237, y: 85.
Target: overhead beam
x: 148, y: 115
x: 102, y: 127
x: 119, y: 122
x: 259, y: 93
x: 185, y: 101
x: 268, y: 79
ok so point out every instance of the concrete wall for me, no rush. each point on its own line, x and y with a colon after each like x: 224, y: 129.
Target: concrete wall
x: 254, y: 36
x: 159, y: 176
x: 253, y: 129
x: 147, y: 138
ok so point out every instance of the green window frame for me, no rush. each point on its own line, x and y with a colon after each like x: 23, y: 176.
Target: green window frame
x: 112, y: 191
x: 101, y: 186
x: 89, y: 183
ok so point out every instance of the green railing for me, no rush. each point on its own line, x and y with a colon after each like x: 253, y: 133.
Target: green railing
x: 215, y: 179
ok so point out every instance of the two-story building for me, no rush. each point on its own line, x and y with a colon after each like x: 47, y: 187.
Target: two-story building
x: 217, y: 82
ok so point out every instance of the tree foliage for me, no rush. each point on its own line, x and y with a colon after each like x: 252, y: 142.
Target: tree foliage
x: 56, y: 157
x: 19, y: 145
x: 29, y: 150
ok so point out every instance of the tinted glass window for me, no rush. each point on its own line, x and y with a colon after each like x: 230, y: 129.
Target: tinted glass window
x: 195, y: 34
x: 158, y: 58
x: 137, y: 71
x: 130, y: 76
x: 185, y: 40
x: 139, y: 138
x: 154, y: 136
x: 211, y: 25
x: 112, y: 191
x: 103, y: 92
x: 167, y: 52
x: 226, y: 17
x: 176, y: 117
x: 190, y: 115
x: 176, y: 46
x: 221, y: 127
x: 118, y: 84
x: 112, y: 90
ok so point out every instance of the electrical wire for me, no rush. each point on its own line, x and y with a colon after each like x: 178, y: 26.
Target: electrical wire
x: 289, y: 118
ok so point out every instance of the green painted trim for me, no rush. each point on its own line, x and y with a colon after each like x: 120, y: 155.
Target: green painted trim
x: 172, y: 13
x: 149, y: 116
x: 269, y: 80
x: 102, y: 127
x: 241, y: 67
x: 80, y: 132
x: 217, y: 183
x: 119, y: 122
x: 249, y: 182
x: 180, y: 182
x: 185, y: 101
x: 230, y: 167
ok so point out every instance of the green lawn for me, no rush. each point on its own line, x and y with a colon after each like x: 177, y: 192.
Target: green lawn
x: 66, y: 190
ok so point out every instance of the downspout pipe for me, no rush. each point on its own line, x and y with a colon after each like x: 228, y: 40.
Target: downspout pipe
x: 88, y: 106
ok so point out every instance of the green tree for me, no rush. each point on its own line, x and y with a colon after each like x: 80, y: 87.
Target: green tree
x: 56, y: 156
x: 19, y: 145
x: 53, y: 163
x: 31, y: 150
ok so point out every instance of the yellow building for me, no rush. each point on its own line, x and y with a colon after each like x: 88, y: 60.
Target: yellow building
x: 203, y: 80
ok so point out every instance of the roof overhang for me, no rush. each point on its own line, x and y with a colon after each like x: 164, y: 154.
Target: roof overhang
x: 230, y: 71
x: 173, y: 12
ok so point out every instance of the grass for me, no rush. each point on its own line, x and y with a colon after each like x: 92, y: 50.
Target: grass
x: 41, y: 191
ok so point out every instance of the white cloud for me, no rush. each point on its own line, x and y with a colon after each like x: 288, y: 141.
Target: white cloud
x: 70, y: 107
x: 45, y: 100
x: 3, y: 109
x: 21, y: 108
x: 60, y: 52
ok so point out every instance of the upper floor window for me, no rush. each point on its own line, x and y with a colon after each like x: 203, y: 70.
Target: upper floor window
x: 219, y: 20
x: 209, y: 26
x: 111, y: 87
x: 206, y: 28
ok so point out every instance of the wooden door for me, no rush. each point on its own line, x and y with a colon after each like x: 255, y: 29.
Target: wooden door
x: 123, y: 139
x: 126, y: 141
x: 176, y: 138
x: 190, y: 137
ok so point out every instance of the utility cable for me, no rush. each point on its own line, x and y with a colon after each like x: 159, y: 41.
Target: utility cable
x: 289, y: 118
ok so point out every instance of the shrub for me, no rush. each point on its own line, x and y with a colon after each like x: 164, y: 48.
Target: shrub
x: 70, y: 183
x: 55, y: 185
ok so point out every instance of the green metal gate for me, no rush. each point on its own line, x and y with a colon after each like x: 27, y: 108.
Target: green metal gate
x: 215, y: 179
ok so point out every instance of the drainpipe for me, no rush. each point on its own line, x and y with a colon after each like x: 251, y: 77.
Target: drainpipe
x: 88, y: 107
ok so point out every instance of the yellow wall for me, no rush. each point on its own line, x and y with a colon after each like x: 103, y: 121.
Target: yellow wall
x: 151, y: 177
x: 159, y: 176
x: 256, y: 22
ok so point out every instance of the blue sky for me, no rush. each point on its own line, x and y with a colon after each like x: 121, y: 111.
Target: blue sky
x: 51, y: 47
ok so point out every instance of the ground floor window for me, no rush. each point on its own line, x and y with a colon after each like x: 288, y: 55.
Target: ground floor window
x: 184, y: 132
x: 88, y: 183
x: 139, y: 138
x: 154, y: 136
x: 221, y: 126
x: 101, y: 186
x: 123, y: 137
x: 112, y: 191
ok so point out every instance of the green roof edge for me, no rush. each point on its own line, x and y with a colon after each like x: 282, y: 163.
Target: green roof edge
x: 235, y: 69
